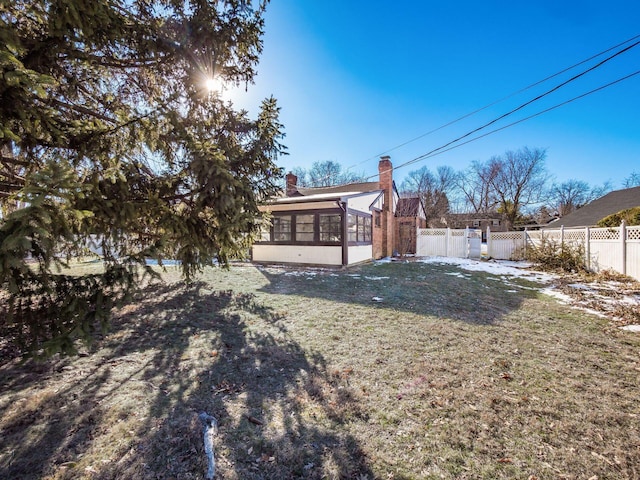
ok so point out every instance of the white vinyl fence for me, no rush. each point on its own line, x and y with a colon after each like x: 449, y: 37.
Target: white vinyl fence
x: 447, y: 242
x: 615, y: 249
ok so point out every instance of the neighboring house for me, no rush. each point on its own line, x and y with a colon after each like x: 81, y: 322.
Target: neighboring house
x: 592, y: 213
x: 479, y: 221
x: 337, y: 226
x: 410, y: 216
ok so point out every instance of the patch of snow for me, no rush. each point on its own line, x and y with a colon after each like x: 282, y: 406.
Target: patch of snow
x: 377, y: 278
x: 634, y: 300
x: 383, y: 260
x: 494, y: 267
x: 457, y: 274
x: 301, y: 273
x: 631, y: 328
x: 562, y: 297
x: 376, y: 299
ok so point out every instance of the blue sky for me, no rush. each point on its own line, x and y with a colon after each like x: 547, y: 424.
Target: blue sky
x: 355, y: 79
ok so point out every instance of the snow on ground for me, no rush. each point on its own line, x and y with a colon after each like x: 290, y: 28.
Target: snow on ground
x: 503, y: 268
x: 613, y: 299
x: 617, y: 300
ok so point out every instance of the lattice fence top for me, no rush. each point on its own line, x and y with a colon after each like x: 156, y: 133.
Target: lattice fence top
x: 572, y: 235
x: 605, y: 234
x: 433, y: 232
x: 633, y: 233
x: 506, y: 235
x: 457, y: 233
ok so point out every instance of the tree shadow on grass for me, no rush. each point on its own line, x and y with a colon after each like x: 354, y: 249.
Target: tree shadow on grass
x: 130, y: 408
x: 437, y: 290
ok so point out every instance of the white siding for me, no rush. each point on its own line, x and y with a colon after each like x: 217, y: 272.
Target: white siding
x: 311, y: 255
x: 361, y: 253
x: 362, y: 202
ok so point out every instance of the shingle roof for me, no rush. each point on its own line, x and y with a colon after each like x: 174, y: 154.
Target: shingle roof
x: 350, y: 187
x: 593, y: 212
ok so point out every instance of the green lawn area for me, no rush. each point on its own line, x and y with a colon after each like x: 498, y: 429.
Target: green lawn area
x: 386, y: 371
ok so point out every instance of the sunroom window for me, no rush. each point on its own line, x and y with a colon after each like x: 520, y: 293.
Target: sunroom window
x: 304, y: 228
x: 282, y: 228
x: 330, y: 227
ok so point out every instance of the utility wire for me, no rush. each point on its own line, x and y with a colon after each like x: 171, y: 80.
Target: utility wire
x: 520, y: 107
x: 452, y: 122
x: 443, y: 149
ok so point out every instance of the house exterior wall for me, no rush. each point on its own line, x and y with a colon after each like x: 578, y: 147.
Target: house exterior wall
x: 362, y: 203
x: 302, y: 254
x: 360, y: 253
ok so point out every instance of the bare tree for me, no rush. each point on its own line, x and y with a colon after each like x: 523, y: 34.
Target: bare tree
x: 518, y: 180
x: 573, y: 194
x: 433, y: 189
x: 325, y: 174
x: 475, y: 185
x: 632, y: 180
x: 569, y: 196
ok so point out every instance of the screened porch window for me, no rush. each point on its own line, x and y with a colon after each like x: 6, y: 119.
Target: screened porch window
x: 305, y: 228
x: 282, y: 228
x: 330, y: 228
x: 359, y: 228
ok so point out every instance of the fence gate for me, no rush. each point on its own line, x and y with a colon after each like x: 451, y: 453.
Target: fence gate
x: 446, y: 242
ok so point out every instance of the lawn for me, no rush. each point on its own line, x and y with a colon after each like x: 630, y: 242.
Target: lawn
x: 395, y: 370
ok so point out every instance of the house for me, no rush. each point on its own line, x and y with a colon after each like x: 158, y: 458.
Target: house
x: 410, y: 216
x: 335, y: 226
x: 593, y: 212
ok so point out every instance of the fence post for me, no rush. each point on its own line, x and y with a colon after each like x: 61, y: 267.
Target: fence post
x: 488, y: 241
x: 623, y: 242
x: 447, y: 238
x: 587, y: 248
x: 466, y: 241
x: 561, y: 239
x: 526, y: 241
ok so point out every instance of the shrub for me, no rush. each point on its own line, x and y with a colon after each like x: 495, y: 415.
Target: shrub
x: 552, y: 255
x: 631, y: 216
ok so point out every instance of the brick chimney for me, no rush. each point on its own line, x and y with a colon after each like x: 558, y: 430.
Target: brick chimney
x: 292, y: 184
x: 385, y: 182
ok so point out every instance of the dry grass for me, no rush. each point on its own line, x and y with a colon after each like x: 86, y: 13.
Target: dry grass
x: 609, y: 293
x: 448, y: 376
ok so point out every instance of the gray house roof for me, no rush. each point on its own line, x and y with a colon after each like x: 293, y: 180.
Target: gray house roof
x: 350, y: 187
x: 593, y: 212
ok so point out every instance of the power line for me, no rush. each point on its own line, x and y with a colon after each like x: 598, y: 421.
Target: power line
x: 452, y: 122
x: 520, y: 107
x: 443, y: 149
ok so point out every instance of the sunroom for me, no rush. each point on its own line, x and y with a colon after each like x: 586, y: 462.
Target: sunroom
x: 322, y: 229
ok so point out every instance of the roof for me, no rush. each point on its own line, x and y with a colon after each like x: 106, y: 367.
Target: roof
x: 319, y: 197
x: 408, y: 207
x: 593, y: 212
x: 348, y: 188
